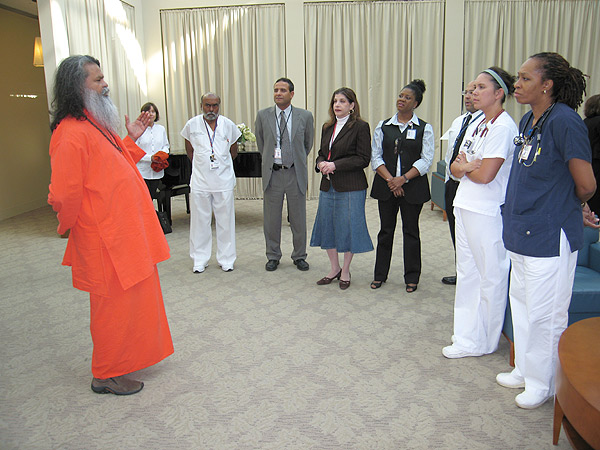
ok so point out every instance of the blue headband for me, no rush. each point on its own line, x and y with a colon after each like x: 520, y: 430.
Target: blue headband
x: 499, y: 80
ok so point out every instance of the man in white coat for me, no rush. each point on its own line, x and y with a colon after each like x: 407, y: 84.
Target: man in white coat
x: 211, y: 145
x: 456, y: 133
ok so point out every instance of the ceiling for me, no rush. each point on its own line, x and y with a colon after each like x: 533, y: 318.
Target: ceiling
x: 28, y: 7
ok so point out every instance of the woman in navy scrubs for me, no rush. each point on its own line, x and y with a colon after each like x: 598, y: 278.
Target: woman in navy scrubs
x: 550, y: 181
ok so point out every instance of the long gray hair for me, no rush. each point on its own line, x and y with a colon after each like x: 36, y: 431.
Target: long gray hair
x: 69, y: 84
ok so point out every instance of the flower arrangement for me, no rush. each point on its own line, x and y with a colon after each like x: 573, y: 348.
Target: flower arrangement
x: 247, y: 134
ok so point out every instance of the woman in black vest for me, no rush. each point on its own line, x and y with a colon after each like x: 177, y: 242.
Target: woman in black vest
x: 402, y: 153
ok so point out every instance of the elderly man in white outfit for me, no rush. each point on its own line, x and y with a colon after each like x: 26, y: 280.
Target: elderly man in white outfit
x: 211, y: 145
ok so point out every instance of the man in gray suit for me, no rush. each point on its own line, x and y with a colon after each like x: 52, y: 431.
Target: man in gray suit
x: 284, y: 136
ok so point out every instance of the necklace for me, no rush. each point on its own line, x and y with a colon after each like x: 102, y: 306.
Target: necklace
x: 112, y: 141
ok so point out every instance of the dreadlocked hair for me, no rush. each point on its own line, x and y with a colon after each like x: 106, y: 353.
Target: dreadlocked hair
x: 569, y: 82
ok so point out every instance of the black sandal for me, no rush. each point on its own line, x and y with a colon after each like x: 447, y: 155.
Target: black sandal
x: 376, y: 284
x: 411, y: 288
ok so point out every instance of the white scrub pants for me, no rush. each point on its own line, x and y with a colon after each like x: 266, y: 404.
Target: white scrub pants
x: 540, y: 294
x: 202, y: 206
x: 482, y: 271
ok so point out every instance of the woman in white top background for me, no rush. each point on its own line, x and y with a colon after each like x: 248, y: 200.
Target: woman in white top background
x: 482, y: 264
x: 153, y: 140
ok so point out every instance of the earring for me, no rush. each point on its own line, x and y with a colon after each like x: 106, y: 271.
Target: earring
x: 544, y: 91
x: 352, y: 111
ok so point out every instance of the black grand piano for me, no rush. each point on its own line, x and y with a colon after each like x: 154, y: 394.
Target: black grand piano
x: 177, y: 177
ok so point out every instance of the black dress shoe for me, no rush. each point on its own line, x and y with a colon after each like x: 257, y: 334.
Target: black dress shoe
x: 449, y: 280
x: 271, y: 265
x: 302, y: 265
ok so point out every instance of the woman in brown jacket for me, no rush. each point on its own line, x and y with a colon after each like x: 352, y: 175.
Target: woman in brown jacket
x: 340, y: 225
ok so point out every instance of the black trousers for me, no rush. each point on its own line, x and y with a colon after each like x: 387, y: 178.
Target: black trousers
x: 388, y: 215
x: 153, y: 187
x: 449, y: 194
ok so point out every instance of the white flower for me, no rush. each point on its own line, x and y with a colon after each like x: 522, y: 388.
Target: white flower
x: 247, y: 134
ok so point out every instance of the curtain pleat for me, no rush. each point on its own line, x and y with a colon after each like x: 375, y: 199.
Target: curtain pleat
x: 234, y: 52
x: 375, y: 48
x: 105, y: 29
x: 506, y: 33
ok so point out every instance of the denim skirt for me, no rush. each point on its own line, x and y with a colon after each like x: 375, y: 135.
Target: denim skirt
x: 340, y: 223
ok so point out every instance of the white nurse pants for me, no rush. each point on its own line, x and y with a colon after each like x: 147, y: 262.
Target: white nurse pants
x: 540, y: 295
x: 202, y: 206
x: 482, y: 272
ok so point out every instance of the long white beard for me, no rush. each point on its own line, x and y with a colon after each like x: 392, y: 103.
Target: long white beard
x: 102, y: 109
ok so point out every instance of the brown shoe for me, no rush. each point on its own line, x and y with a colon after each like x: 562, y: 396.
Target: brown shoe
x: 326, y: 280
x: 116, y: 385
x: 344, y: 284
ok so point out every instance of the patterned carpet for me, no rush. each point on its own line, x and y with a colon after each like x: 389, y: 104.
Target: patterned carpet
x: 263, y: 360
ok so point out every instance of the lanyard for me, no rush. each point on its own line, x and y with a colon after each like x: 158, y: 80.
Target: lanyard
x: 211, y: 139
x: 278, y: 122
x: 485, y: 130
x: 113, y: 141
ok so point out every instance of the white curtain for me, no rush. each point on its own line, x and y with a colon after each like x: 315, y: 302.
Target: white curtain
x: 505, y: 33
x: 233, y: 52
x: 375, y: 48
x: 105, y: 29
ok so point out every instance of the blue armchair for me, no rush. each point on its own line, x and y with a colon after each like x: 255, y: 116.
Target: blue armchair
x: 585, y: 301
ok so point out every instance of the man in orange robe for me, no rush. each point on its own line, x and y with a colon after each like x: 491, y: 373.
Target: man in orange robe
x: 115, y: 240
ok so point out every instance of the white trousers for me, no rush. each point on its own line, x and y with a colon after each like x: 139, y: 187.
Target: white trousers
x: 482, y: 272
x: 202, y: 207
x: 540, y: 295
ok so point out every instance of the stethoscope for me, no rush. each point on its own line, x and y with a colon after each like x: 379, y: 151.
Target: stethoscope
x: 524, y: 140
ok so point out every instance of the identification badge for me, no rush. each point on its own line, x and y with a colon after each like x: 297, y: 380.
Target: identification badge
x: 277, y: 153
x: 214, y: 164
x: 411, y: 134
x: 467, y: 144
x: 525, y: 152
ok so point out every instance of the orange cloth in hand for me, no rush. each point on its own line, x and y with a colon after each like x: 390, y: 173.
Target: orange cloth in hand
x: 159, y: 161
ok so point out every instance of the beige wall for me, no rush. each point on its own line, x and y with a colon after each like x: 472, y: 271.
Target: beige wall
x: 24, y: 123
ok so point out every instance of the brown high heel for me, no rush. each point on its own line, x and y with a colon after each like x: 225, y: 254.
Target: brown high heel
x: 326, y: 280
x: 345, y: 284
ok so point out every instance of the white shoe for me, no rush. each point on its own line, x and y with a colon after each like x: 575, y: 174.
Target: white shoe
x: 227, y: 269
x: 199, y: 269
x: 508, y: 380
x: 453, y: 352
x: 527, y: 400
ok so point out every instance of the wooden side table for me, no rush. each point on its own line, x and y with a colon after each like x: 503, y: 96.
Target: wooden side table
x: 577, y: 401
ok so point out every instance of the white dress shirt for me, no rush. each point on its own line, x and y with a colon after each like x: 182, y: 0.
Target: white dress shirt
x: 423, y: 164
x: 221, y: 176
x: 453, y: 132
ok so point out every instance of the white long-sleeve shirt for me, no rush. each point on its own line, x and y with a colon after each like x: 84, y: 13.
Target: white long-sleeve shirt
x: 152, y: 141
x: 423, y: 164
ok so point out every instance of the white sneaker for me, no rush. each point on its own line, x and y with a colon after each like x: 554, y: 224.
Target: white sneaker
x: 199, y: 269
x: 453, y: 352
x: 508, y: 380
x: 526, y: 400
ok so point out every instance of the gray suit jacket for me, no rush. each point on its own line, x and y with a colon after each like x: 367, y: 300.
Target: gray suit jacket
x: 302, y: 141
